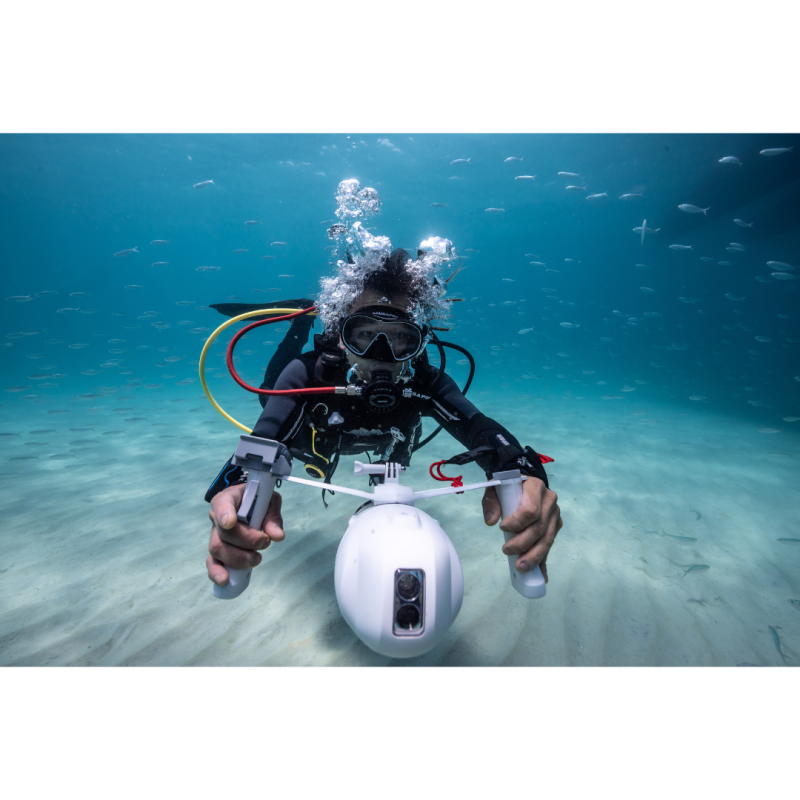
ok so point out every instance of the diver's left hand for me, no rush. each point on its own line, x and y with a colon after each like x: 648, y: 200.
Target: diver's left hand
x: 536, y: 522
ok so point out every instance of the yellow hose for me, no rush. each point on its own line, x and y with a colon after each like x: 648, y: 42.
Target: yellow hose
x: 258, y: 313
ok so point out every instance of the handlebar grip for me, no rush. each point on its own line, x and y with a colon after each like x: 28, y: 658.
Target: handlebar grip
x: 529, y: 584
x: 255, y: 502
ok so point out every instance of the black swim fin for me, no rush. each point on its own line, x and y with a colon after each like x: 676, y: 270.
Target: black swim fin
x: 235, y: 309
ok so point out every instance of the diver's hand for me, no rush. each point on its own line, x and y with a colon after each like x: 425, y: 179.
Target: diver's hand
x: 234, y: 544
x: 536, y: 522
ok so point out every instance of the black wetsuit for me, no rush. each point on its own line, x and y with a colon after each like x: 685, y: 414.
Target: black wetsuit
x: 319, y: 428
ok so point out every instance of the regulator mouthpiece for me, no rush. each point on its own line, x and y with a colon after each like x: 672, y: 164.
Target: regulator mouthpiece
x: 381, y: 394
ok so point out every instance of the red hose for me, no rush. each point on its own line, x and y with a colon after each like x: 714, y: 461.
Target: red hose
x: 235, y: 375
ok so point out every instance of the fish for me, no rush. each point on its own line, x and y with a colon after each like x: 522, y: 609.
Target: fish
x: 42, y: 294
x: 266, y: 258
x: 468, y: 250
x: 680, y: 247
x: 159, y: 264
x: 495, y: 211
x: 680, y: 538
x: 696, y: 568
x: 460, y: 161
x: 791, y: 419
x: 569, y: 325
x: 783, y: 276
x: 762, y: 338
x: 736, y: 246
x: 647, y: 290
x: 733, y: 297
x: 278, y: 244
x: 690, y: 209
x: 630, y: 195
x: 742, y: 224
x: 185, y: 303
x: 20, y: 298
x: 286, y: 276
x: 725, y: 263
x: 123, y: 253
x: 202, y: 184
x: 79, y: 294
x: 134, y: 286
x: 779, y: 265
x: 525, y: 178
x: 531, y: 255
x: 569, y: 174
x: 789, y: 541
x: 775, y: 638
x: 253, y: 222
x: 597, y: 196
x: 438, y: 205
x: 511, y: 158
x: 729, y: 160
x: 525, y: 330
x: 240, y: 250
x: 509, y: 280
x: 643, y: 228
x: 576, y: 188
x: 538, y: 264
x: 775, y: 151
x: 688, y: 299
x: 160, y: 241
x: 706, y: 258
x: 207, y: 269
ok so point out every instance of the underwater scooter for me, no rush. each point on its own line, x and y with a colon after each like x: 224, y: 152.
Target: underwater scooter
x: 397, y: 576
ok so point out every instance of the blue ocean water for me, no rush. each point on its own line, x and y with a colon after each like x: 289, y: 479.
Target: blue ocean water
x: 562, y: 298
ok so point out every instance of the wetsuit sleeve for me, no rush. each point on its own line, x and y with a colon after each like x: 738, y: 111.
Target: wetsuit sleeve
x: 279, y: 420
x: 462, y: 420
x: 283, y: 414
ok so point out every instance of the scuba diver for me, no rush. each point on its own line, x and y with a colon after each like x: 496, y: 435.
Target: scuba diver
x: 378, y: 315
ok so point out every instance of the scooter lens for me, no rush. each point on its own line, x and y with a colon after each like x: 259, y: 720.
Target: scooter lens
x: 407, y: 616
x: 408, y: 587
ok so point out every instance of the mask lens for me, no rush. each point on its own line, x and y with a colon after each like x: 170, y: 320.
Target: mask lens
x: 359, y: 332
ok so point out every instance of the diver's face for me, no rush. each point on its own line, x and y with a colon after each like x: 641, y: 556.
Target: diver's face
x: 366, y: 366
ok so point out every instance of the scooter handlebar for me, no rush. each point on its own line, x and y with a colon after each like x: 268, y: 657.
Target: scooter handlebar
x: 529, y: 584
x: 265, y: 461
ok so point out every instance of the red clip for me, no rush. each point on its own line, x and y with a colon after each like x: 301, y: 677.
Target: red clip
x: 456, y: 482
x: 545, y: 459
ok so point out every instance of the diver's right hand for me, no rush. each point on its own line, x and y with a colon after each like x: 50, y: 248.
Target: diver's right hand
x: 234, y: 544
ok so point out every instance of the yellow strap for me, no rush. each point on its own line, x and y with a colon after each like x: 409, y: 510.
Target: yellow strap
x: 314, y: 445
x: 259, y: 313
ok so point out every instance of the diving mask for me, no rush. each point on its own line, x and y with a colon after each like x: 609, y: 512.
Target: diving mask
x: 382, y: 334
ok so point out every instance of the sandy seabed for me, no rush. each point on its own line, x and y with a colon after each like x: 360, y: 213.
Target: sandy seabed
x: 104, y: 538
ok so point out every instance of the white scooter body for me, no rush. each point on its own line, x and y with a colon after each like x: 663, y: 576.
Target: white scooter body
x: 379, y: 542
x: 397, y: 576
